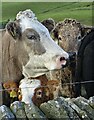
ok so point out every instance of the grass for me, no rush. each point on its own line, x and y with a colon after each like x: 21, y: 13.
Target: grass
x: 56, y: 10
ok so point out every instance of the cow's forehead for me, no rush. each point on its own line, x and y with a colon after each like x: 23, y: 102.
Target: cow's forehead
x: 27, y: 19
x: 27, y: 13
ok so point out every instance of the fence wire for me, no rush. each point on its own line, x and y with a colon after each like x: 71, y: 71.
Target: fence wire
x: 62, y: 84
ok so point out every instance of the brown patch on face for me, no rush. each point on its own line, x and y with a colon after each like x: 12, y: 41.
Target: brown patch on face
x: 41, y: 95
x: 32, y: 42
x: 45, y: 93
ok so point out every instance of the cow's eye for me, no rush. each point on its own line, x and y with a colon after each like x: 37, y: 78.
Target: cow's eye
x: 40, y: 93
x: 31, y: 37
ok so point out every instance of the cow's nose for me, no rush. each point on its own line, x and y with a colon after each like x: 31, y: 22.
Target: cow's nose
x: 62, y: 58
x: 61, y: 61
x: 72, y: 55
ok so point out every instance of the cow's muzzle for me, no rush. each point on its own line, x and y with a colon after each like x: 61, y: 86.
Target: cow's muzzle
x: 71, y: 60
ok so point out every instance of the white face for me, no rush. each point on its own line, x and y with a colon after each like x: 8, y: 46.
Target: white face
x: 53, y: 58
x: 27, y: 87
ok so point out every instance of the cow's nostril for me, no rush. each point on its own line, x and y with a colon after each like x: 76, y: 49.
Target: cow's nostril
x: 62, y: 58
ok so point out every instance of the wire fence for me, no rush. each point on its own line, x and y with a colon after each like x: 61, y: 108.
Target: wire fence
x: 64, y: 84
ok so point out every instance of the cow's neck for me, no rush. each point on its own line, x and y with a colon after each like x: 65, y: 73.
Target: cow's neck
x: 42, y: 78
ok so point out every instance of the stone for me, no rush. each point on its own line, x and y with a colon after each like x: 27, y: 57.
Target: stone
x: 91, y: 101
x: 71, y: 112
x: 82, y: 114
x: 33, y: 112
x: 53, y: 110
x: 6, y: 114
x: 83, y: 104
x: 18, y: 109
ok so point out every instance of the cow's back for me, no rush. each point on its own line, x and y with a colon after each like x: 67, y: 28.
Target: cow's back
x: 85, y: 64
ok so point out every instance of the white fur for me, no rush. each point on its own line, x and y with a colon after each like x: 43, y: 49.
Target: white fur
x: 27, y: 87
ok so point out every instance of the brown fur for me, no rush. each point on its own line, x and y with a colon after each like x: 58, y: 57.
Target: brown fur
x: 67, y: 32
x: 11, y: 86
x: 41, y: 95
x: 49, y: 24
x: 10, y: 93
x: 45, y: 93
x: 54, y: 87
x: 10, y: 50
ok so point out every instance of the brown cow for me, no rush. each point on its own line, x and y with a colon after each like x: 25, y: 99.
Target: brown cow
x: 68, y: 35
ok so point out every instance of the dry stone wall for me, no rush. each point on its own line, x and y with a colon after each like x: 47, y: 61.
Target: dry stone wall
x: 59, y: 108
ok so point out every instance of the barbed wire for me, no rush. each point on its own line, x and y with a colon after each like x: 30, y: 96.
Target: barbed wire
x: 63, y: 84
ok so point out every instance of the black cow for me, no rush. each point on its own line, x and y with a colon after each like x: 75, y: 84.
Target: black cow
x: 85, y: 65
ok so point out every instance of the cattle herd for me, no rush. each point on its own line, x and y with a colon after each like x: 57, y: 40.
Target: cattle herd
x: 44, y: 60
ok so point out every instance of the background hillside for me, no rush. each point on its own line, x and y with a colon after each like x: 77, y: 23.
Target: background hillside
x: 82, y: 11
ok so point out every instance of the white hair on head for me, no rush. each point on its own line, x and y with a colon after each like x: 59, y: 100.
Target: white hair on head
x: 27, y: 13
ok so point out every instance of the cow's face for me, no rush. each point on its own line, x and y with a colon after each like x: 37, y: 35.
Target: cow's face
x: 44, y: 54
x: 68, y: 33
x: 12, y: 88
x: 26, y: 89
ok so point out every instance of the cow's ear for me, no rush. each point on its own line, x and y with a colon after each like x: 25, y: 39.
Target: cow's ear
x: 14, y: 30
x: 49, y: 24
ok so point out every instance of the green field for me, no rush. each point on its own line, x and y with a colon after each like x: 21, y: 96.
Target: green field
x: 82, y: 11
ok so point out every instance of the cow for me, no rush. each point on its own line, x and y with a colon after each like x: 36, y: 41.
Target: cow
x: 46, y: 93
x: 68, y: 34
x: 11, y: 91
x: 35, y: 91
x: 28, y: 49
x: 85, y: 65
